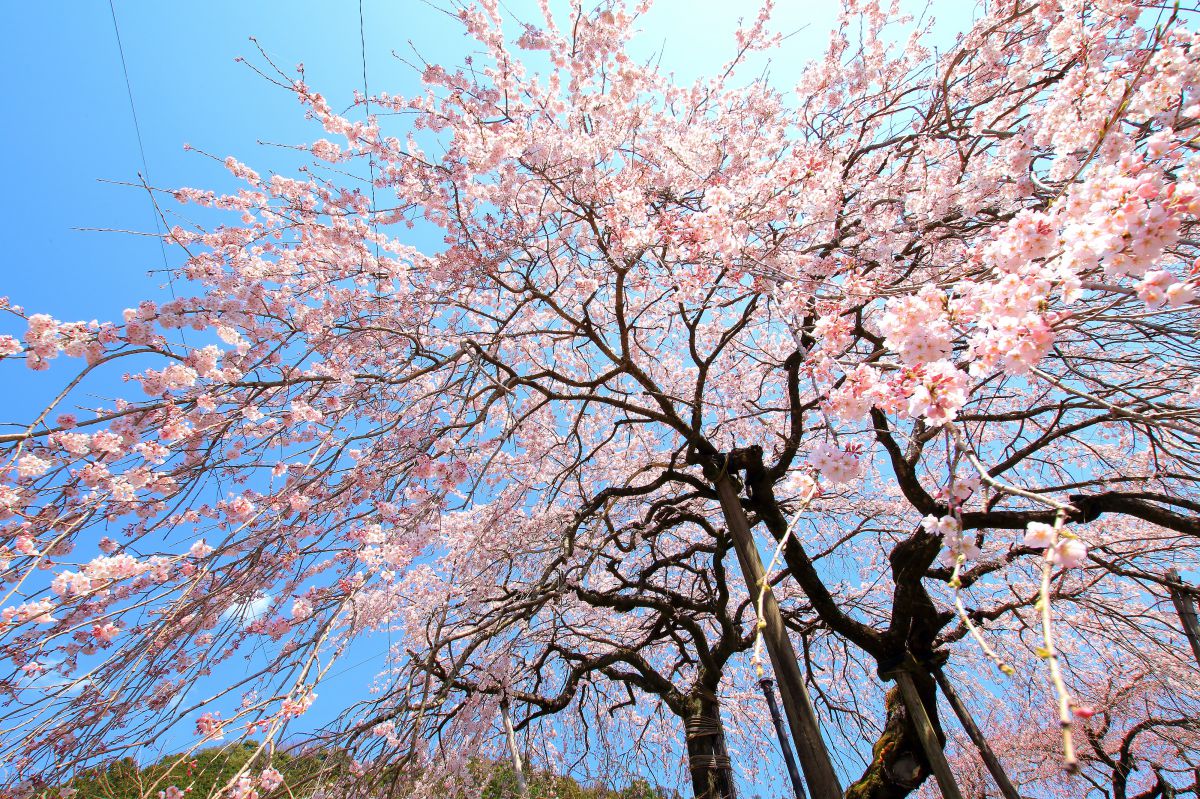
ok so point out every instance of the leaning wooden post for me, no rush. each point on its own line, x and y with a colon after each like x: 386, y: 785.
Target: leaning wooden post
x: 768, y: 687
x: 920, y: 719
x: 513, y: 751
x: 985, y: 751
x: 797, y: 705
x: 1185, y: 606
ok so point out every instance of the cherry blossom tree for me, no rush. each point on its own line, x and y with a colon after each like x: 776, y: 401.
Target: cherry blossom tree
x: 642, y: 609
x: 921, y: 326
x: 1141, y: 740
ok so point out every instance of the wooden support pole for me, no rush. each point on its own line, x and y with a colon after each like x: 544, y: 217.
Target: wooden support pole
x: 513, y: 751
x: 797, y: 705
x: 929, y: 740
x: 1185, y: 606
x: 789, y: 758
x: 1007, y: 789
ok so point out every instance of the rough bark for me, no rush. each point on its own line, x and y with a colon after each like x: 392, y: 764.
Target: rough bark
x: 898, y: 764
x: 708, y: 758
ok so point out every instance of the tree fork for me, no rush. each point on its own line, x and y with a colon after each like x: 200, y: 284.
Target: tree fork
x: 802, y: 718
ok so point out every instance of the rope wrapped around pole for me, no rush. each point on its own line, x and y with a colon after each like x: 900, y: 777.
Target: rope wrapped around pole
x: 712, y: 762
x: 696, y: 727
x: 701, y: 727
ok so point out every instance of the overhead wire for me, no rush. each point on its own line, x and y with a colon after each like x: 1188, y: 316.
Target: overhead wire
x: 145, y: 173
x: 362, y: 41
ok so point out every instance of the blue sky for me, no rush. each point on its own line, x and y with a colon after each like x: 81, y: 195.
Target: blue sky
x: 70, y: 126
x: 70, y: 140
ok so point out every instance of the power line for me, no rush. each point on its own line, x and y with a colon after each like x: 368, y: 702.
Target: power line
x: 145, y: 173
x: 129, y: 90
x: 362, y: 41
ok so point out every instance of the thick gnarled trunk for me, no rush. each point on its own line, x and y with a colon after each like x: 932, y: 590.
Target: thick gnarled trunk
x: 708, y: 758
x: 898, y: 761
x: 898, y: 764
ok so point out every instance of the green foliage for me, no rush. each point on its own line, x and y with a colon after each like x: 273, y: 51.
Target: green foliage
x: 501, y: 783
x: 205, y: 773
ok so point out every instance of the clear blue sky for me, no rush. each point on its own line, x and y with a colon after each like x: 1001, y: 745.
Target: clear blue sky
x: 69, y: 126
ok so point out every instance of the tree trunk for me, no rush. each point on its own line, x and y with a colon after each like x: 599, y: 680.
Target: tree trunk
x: 708, y: 759
x: 898, y: 764
x: 514, y: 752
x: 932, y: 740
x: 797, y: 705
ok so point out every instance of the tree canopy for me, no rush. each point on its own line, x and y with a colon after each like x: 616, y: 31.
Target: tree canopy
x: 893, y: 375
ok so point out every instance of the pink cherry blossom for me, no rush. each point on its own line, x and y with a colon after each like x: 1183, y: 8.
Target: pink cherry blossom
x: 1040, y: 535
x: 1069, y: 553
x: 32, y: 466
x: 835, y: 464
x: 592, y: 339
